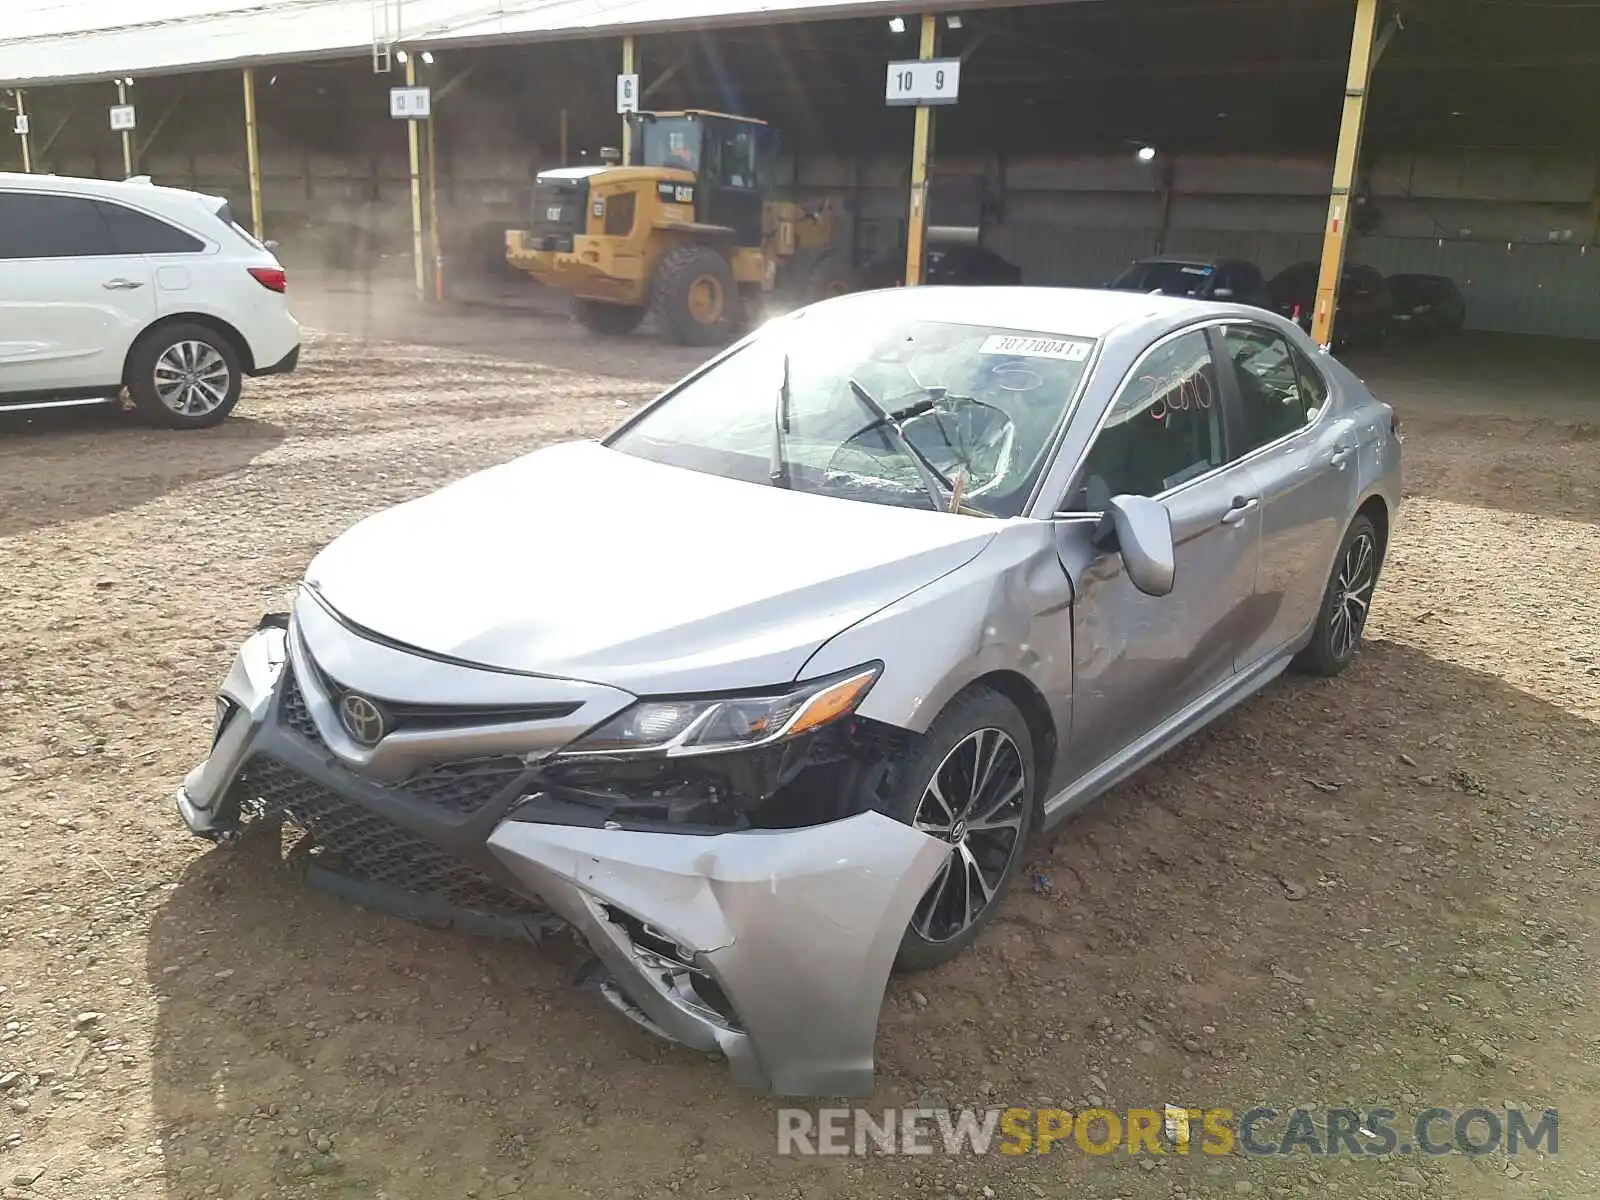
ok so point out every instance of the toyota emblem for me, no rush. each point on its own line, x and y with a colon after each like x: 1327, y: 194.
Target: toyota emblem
x: 362, y: 719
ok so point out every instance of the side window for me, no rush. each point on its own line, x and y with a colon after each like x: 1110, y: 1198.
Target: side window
x: 39, y: 225
x: 1273, y: 402
x: 1164, y: 428
x: 1312, y: 384
x: 135, y: 233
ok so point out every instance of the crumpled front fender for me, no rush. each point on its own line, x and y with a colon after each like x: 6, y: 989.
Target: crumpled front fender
x: 249, y: 686
x: 799, y: 929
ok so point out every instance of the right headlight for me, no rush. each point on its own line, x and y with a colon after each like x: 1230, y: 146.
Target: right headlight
x: 714, y: 724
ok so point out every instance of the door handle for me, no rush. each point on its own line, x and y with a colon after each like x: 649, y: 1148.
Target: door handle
x: 121, y: 285
x: 1341, y: 455
x: 1241, y: 509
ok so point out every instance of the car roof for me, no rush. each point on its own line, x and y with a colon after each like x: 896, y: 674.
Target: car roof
x: 1179, y: 260
x: 1068, y: 312
x: 127, y: 189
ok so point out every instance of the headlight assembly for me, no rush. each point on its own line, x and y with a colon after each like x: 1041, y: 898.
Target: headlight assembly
x: 713, y: 724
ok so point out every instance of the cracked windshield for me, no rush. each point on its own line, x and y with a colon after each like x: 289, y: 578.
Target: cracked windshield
x: 916, y: 413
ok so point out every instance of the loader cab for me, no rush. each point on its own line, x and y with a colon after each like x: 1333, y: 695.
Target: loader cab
x: 731, y: 158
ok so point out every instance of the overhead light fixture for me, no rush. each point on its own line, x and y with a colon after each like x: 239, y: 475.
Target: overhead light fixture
x: 897, y: 24
x: 400, y: 57
x: 427, y: 57
x: 953, y: 21
x: 1147, y: 154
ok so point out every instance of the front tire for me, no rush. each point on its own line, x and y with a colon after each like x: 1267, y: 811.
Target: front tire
x: 971, y: 783
x: 184, y: 377
x: 696, y: 298
x: 1346, y: 602
x: 608, y: 320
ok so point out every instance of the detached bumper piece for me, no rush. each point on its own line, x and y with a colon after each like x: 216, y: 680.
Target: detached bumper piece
x: 770, y: 946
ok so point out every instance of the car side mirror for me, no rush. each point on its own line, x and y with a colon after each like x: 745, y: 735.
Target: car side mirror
x: 271, y: 243
x: 1140, y: 530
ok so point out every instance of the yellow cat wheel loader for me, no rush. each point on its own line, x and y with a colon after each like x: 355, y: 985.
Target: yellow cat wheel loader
x: 692, y: 232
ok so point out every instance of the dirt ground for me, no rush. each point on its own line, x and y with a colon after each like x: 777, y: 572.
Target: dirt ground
x: 1377, y: 890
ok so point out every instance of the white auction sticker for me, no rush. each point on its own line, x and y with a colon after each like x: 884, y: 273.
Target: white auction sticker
x: 1036, y: 347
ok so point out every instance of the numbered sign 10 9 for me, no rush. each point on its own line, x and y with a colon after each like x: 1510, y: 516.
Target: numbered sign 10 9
x: 919, y: 81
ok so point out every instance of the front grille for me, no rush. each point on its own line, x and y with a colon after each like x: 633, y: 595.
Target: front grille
x: 560, y: 208
x: 292, y: 710
x: 402, y: 715
x: 464, y: 787
x: 360, y: 844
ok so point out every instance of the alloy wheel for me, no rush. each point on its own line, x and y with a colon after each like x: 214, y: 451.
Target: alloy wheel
x: 192, y: 379
x: 977, y: 801
x: 1352, y: 595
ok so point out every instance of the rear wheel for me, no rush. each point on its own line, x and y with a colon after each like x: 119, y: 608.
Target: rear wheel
x: 609, y: 320
x: 696, y: 298
x: 184, y: 377
x: 832, y: 276
x: 971, y: 785
x: 1343, y: 617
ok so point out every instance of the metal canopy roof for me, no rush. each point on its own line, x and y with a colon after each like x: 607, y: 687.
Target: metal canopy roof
x: 62, y: 41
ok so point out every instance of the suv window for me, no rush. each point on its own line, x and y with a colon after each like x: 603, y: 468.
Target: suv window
x: 1273, y: 399
x: 134, y: 232
x: 1164, y: 428
x: 34, y: 225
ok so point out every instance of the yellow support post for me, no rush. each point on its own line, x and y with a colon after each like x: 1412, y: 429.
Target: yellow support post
x: 127, y: 134
x: 1336, y: 236
x: 419, y: 267
x: 252, y: 154
x: 917, y: 224
x: 433, y: 212
x: 27, y: 141
x: 627, y: 126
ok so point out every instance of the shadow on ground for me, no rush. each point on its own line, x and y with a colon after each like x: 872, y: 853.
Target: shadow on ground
x: 1253, y: 919
x: 74, y: 464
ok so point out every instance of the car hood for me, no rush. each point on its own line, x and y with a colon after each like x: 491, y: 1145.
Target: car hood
x: 583, y: 562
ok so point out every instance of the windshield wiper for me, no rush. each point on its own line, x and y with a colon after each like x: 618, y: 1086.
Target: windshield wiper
x: 778, y: 465
x: 926, y: 471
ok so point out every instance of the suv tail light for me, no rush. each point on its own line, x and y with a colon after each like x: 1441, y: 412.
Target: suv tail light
x: 274, y: 279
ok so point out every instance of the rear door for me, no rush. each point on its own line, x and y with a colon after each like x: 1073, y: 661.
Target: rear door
x: 70, y: 309
x: 1303, y: 460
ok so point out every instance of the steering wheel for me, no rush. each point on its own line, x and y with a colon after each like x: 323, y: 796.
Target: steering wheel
x: 959, y: 436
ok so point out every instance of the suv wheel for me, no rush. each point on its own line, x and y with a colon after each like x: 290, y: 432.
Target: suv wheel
x: 184, y: 377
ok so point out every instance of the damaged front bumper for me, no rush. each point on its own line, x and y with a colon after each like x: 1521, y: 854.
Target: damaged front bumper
x: 772, y: 947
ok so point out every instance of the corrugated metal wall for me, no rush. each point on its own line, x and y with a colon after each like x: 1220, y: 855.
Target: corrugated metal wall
x: 1516, y: 232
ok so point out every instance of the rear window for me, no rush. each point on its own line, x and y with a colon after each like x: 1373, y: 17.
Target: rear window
x: 1168, y: 278
x: 224, y: 213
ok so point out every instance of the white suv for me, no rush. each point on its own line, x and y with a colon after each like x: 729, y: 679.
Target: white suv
x: 111, y: 285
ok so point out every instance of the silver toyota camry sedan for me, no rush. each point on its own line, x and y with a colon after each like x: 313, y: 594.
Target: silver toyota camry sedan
x: 762, y: 695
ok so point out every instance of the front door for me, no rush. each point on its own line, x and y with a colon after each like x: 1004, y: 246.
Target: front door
x: 1137, y: 659
x: 729, y: 177
x: 69, y: 309
x: 1304, y: 462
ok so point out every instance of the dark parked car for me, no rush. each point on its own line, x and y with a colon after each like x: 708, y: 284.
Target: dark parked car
x: 1228, y: 279
x: 965, y: 266
x: 1427, y: 304
x: 1365, y: 305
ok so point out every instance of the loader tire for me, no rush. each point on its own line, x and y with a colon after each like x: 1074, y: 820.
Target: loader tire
x: 832, y: 276
x: 609, y: 320
x: 695, y: 296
